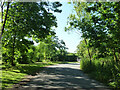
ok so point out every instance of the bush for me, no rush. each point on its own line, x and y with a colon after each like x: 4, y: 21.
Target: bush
x: 104, y: 70
x: 86, y: 66
x: 71, y: 57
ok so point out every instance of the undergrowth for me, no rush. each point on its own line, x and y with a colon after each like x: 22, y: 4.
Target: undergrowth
x: 104, y: 70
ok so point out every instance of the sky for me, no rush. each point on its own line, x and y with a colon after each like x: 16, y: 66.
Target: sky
x: 71, y: 39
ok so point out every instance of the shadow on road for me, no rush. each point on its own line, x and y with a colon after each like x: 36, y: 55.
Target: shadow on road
x: 58, y: 77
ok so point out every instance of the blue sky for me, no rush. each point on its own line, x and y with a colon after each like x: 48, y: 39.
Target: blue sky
x: 71, y: 39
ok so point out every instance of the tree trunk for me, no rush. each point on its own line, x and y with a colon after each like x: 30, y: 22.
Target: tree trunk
x: 13, y: 59
x: 88, y: 50
x: 44, y: 54
x: 115, y: 57
x: 3, y: 23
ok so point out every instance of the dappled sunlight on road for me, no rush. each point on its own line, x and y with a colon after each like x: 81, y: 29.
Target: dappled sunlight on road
x: 62, y: 76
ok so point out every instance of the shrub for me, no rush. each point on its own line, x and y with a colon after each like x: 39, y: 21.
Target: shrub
x: 104, y: 70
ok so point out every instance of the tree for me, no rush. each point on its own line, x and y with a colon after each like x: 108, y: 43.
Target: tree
x: 3, y: 22
x: 80, y: 21
x: 99, y: 23
x: 107, y: 23
x: 51, y: 48
x: 25, y: 21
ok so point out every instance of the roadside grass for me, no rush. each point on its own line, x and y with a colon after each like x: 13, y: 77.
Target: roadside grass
x: 13, y: 75
x: 103, y: 70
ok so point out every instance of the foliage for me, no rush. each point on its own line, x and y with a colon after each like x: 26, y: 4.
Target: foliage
x: 51, y: 49
x: 98, y: 24
x: 102, y: 70
x: 26, y: 20
x: 71, y: 57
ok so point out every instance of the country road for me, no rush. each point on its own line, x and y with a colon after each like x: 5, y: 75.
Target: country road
x: 63, y: 77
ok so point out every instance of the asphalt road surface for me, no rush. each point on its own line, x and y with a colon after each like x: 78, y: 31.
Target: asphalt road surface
x: 62, y: 77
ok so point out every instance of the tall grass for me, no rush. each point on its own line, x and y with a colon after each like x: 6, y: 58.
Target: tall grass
x: 104, y: 70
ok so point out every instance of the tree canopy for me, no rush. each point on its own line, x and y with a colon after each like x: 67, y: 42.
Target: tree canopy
x: 99, y: 49
x: 25, y: 21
